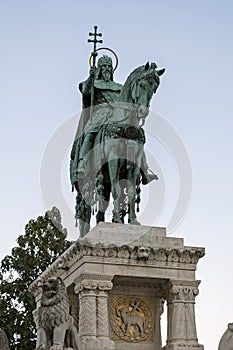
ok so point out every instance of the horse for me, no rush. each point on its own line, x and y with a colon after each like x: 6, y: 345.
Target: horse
x: 121, y: 144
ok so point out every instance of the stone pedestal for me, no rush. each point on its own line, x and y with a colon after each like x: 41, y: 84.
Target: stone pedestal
x: 118, y: 278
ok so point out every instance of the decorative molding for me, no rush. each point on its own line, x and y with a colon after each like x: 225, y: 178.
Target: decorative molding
x: 92, y: 285
x: 184, y: 291
x: 137, y: 254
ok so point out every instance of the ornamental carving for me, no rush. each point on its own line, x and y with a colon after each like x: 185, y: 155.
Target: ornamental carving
x: 143, y: 253
x: 129, y: 132
x: 183, y: 293
x: 138, y: 254
x: 131, y: 318
x: 91, y: 285
x: 173, y: 255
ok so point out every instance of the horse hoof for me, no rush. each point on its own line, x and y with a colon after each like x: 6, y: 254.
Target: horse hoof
x: 134, y: 222
x: 100, y: 217
x: 117, y: 221
x: 116, y: 218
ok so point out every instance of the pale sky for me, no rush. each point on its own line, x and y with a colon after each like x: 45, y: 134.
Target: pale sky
x: 44, y: 54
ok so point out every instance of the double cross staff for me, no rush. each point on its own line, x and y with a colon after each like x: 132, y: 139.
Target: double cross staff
x: 94, y: 55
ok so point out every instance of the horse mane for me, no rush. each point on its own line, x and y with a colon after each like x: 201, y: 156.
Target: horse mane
x: 134, y: 75
x: 137, y: 71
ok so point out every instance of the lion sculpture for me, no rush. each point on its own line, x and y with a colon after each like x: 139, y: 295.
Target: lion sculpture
x: 226, y: 342
x: 3, y: 340
x: 56, y: 330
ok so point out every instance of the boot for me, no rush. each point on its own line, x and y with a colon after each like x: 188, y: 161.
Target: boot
x: 148, y: 177
x: 85, y: 148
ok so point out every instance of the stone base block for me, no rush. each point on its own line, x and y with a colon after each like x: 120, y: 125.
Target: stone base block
x: 136, y: 346
x: 94, y: 343
x: 183, y: 346
x: 105, y: 344
x: 88, y: 343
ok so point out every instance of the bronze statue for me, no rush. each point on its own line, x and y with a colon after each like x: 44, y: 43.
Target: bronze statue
x: 108, y: 152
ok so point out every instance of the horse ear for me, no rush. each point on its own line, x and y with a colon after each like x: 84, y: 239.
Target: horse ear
x: 147, y: 66
x: 161, y: 71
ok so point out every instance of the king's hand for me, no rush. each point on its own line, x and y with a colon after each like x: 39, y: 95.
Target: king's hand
x: 92, y: 71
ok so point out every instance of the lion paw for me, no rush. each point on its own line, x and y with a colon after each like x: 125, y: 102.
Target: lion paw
x: 57, y: 347
x: 41, y: 347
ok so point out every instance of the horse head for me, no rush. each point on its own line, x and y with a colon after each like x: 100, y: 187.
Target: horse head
x: 134, y: 100
x: 144, y: 86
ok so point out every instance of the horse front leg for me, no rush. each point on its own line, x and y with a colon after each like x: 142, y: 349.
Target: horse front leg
x: 83, y: 211
x: 134, y: 156
x: 113, y: 166
x: 133, y: 173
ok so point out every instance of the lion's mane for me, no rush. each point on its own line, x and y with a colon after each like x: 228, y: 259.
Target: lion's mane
x: 54, y: 309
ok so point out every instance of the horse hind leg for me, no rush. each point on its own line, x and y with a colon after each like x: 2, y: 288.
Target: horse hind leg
x: 132, y: 219
x: 116, y: 213
x: 121, y: 202
x: 100, y: 216
x: 84, y: 227
x: 115, y: 189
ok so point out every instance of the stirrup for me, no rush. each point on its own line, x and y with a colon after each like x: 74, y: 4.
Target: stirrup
x: 148, y: 177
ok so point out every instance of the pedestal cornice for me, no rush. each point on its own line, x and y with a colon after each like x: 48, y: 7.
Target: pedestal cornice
x: 150, y: 247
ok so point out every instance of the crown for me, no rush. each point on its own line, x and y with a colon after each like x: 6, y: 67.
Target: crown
x: 103, y: 60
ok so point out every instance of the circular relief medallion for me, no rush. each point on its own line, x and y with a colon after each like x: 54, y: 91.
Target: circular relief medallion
x: 131, y: 319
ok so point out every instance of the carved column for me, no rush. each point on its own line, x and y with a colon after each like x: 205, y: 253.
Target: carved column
x: 102, y: 308
x: 181, y: 324
x: 74, y: 306
x: 93, y: 314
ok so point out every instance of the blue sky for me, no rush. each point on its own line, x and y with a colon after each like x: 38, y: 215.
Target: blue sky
x: 44, y: 54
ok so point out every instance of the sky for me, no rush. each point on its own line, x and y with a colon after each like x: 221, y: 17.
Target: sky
x: 44, y: 55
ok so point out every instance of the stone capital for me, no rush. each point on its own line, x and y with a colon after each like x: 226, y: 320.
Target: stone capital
x: 183, y: 291
x: 93, y: 285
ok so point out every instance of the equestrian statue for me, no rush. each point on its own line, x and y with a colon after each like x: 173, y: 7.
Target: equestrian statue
x: 108, y: 155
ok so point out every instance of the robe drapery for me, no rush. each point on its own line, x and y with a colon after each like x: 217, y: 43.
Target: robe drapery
x: 105, y: 93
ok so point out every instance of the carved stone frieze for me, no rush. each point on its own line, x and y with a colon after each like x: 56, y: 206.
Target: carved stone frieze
x: 160, y: 254
x: 143, y: 253
x: 137, y: 254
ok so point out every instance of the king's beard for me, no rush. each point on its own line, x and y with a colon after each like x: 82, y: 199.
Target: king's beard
x: 106, y: 75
